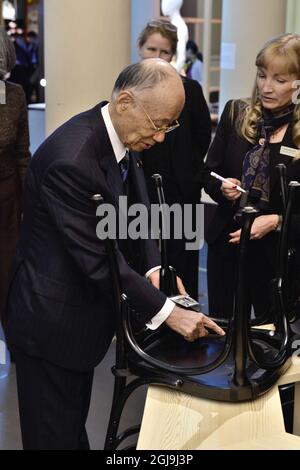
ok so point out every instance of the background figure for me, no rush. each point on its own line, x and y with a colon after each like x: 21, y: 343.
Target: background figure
x: 32, y: 41
x: 14, y: 159
x: 179, y: 159
x: 194, y: 62
x: 22, y: 70
x: 249, y: 143
x: 172, y: 8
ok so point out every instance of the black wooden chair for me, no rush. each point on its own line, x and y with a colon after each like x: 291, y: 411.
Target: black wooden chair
x: 241, y: 366
x: 288, y: 275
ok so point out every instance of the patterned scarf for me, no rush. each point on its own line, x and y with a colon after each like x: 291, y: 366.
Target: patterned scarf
x: 256, y: 166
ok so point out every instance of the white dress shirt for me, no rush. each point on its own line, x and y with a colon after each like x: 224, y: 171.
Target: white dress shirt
x: 120, y: 151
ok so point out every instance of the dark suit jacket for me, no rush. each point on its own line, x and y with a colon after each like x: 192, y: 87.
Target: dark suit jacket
x: 179, y: 159
x: 14, y: 160
x: 226, y: 156
x: 14, y: 142
x: 60, y: 302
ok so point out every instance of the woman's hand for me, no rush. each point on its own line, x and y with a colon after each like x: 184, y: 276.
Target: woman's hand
x: 229, y: 190
x: 262, y: 225
x: 154, y: 279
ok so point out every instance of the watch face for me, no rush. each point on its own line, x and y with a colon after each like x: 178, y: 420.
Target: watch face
x: 185, y: 301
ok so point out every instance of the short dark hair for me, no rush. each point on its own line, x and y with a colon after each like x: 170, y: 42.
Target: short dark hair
x: 32, y: 34
x: 192, y: 46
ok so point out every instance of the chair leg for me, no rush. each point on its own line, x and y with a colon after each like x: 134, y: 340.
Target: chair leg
x: 115, y: 414
x: 296, y: 430
x: 122, y: 391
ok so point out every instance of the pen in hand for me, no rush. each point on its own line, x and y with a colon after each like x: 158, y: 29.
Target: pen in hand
x: 224, y: 180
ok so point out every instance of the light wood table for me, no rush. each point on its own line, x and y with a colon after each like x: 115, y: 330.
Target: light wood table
x: 176, y: 421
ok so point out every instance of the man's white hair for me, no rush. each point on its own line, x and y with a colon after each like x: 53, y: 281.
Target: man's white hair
x: 143, y: 75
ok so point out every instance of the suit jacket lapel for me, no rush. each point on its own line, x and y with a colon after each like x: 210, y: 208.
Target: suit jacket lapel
x: 137, y: 176
x: 106, y: 156
x: 109, y: 165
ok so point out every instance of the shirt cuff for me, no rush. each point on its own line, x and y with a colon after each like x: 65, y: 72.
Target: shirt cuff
x: 152, y: 270
x: 161, y: 316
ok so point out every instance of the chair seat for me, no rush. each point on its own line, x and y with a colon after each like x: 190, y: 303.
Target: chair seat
x: 175, y: 350
x: 172, y: 349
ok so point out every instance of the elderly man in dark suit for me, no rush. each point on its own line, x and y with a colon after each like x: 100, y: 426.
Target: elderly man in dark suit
x: 59, y: 320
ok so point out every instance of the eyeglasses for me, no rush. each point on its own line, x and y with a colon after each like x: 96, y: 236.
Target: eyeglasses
x: 164, y: 129
x: 164, y: 24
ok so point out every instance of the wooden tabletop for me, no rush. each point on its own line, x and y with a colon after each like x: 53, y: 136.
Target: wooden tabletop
x: 176, y: 421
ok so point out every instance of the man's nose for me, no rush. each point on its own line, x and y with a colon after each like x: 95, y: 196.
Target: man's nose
x: 159, y: 137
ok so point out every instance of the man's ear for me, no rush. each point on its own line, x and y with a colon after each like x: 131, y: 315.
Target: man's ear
x: 123, y: 101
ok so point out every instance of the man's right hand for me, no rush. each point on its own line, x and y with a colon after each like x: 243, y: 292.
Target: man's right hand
x: 191, y: 325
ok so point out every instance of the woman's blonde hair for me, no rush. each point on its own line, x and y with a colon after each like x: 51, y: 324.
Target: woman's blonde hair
x: 286, y: 46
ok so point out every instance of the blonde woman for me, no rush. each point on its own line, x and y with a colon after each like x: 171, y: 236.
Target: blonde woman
x: 251, y: 139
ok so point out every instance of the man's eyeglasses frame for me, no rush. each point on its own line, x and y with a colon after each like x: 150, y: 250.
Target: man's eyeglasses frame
x: 158, y: 130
